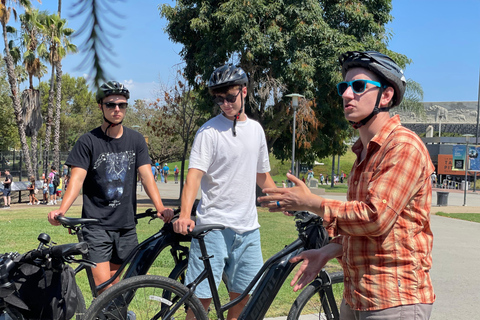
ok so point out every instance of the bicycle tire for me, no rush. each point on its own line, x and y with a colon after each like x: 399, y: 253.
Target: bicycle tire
x: 147, y: 301
x: 81, y: 307
x: 308, y: 303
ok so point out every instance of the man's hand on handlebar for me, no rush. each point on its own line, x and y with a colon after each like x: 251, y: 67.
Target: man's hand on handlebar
x: 166, y: 214
x: 52, y: 217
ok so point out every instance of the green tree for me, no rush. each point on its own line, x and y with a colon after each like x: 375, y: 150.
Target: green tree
x: 179, y: 117
x: 80, y: 112
x: 33, y: 66
x: 412, y: 100
x: 7, y: 120
x: 5, y: 12
x: 56, y: 45
x: 285, y: 47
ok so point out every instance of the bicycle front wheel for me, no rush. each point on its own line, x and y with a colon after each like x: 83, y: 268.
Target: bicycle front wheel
x: 81, y: 308
x: 319, y: 299
x: 143, y: 297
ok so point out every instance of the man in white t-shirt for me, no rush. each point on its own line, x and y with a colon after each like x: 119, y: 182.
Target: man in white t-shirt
x: 229, y: 158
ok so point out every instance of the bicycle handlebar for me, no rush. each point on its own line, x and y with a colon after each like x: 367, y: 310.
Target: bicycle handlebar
x: 56, y: 252
x: 150, y: 213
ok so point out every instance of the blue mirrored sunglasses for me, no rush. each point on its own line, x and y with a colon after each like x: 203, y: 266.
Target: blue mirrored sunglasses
x: 358, y: 86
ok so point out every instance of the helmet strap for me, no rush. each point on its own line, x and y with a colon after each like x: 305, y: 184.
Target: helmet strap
x: 375, y: 111
x: 110, y: 124
x: 237, y: 116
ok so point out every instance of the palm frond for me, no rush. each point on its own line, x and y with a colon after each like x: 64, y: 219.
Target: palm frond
x: 98, y: 28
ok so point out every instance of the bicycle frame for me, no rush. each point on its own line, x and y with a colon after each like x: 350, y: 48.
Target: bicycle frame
x: 269, y: 280
x: 142, y: 256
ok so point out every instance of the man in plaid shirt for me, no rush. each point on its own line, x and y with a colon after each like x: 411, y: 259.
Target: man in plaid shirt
x: 382, y: 234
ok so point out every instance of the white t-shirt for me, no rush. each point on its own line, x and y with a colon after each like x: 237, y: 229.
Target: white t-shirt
x: 231, y: 165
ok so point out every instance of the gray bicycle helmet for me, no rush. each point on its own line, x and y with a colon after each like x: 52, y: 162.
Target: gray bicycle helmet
x: 227, y: 75
x: 384, y: 67
x: 111, y: 88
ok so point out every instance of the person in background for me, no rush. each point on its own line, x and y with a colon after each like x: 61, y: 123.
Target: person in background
x: 175, y: 172
x: 45, y: 191
x: 382, y: 234
x: 59, y: 189
x: 32, y: 188
x: 165, y: 172
x: 154, y: 171
x: 7, y: 189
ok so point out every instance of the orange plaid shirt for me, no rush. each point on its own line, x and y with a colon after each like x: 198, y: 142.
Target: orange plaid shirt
x: 384, y: 226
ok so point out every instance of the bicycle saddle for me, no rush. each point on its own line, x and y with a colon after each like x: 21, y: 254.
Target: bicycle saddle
x: 198, y: 230
x: 73, y: 222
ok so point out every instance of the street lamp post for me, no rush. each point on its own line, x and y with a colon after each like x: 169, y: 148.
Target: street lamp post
x: 294, y: 97
x: 467, y: 137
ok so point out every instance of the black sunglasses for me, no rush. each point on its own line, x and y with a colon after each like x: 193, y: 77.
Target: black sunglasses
x: 358, y: 86
x: 113, y: 105
x: 230, y: 98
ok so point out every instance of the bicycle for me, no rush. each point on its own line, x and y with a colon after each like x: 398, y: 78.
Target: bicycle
x: 39, y: 284
x: 156, y: 297
x: 143, y: 255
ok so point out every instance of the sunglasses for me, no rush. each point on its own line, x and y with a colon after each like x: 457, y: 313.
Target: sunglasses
x: 358, y: 86
x: 113, y: 105
x: 230, y: 98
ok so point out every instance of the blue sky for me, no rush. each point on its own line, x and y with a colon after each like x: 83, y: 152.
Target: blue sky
x: 441, y: 37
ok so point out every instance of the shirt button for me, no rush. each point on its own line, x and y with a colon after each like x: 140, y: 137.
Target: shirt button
x: 347, y: 279
x: 384, y: 201
x: 355, y: 183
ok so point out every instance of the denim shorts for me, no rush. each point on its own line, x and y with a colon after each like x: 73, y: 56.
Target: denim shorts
x: 7, y: 192
x: 51, y: 190
x: 238, y: 255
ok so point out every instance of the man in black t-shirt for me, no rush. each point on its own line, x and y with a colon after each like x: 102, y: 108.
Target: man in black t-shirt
x: 7, y: 184
x: 104, y: 162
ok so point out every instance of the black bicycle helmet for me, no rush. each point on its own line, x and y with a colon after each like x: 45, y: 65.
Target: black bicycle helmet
x: 227, y: 76
x: 384, y: 67
x: 110, y: 88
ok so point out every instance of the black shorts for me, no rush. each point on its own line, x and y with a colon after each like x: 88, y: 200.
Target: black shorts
x: 108, y: 245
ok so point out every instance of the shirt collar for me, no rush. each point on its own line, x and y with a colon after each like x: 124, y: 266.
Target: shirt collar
x: 381, y: 135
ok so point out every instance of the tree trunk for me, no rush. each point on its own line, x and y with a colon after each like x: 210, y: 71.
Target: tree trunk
x: 56, y: 135
x: 48, y: 124
x: 32, y: 116
x: 12, y: 79
x: 34, y: 148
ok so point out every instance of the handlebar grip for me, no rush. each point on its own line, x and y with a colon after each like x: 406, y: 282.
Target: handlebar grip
x: 69, y: 249
x: 57, y: 252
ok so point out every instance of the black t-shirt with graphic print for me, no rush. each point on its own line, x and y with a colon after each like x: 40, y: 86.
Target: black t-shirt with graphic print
x: 109, y: 189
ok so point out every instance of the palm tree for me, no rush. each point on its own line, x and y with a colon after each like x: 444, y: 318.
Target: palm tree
x: 5, y: 12
x: 412, y: 99
x: 57, y: 39
x: 34, y: 67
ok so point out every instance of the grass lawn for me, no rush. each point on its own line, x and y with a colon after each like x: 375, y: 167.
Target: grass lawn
x: 21, y: 227
x: 474, y: 217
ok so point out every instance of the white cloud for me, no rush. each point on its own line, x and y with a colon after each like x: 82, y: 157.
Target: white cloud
x: 141, y: 90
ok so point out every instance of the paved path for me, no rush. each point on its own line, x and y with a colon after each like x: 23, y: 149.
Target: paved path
x: 456, y: 254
